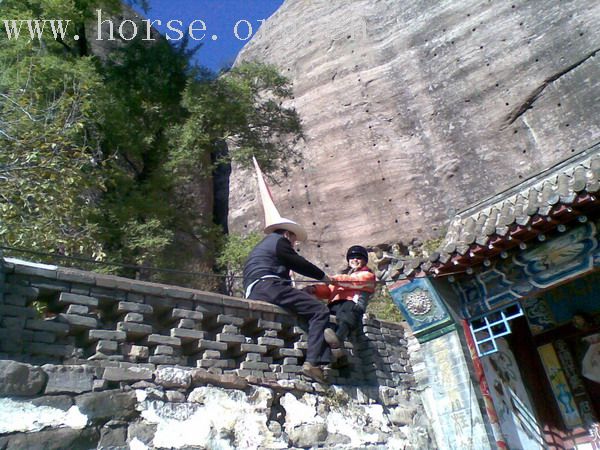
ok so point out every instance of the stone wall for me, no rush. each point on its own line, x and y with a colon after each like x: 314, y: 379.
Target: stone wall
x: 95, y: 360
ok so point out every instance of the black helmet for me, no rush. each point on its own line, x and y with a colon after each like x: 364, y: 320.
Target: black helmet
x: 357, y: 251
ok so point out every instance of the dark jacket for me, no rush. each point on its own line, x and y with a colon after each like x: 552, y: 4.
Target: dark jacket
x: 274, y: 255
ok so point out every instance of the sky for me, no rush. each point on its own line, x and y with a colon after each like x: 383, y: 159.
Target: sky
x: 220, y: 44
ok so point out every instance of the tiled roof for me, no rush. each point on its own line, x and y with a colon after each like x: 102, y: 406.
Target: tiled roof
x: 563, y: 193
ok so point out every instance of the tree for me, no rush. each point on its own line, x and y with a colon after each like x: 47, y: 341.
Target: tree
x: 112, y: 159
x: 49, y: 163
x: 244, y: 107
x: 231, y: 259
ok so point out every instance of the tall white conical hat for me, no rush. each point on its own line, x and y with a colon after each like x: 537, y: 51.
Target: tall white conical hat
x: 273, y: 220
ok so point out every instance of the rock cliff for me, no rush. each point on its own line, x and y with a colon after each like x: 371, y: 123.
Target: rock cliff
x: 413, y: 110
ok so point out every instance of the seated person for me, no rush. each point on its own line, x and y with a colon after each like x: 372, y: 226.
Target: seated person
x: 347, y: 298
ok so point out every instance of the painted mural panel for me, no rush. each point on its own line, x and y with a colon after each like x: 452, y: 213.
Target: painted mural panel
x: 452, y: 398
x: 515, y: 412
x: 582, y: 400
x: 559, y: 259
x: 558, y: 306
x: 560, y: 387
x: 590, y: 364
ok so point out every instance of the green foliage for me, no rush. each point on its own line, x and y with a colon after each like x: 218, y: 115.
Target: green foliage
x: 382, y: 306
x: 244, y: 109
x: 113, y: 159
x: 49, y: 171
x: 232, y: 256
x: 433, y: 244
x: 40, y: 307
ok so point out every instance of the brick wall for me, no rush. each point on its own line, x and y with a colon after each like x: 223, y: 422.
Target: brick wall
x: 58, y: 315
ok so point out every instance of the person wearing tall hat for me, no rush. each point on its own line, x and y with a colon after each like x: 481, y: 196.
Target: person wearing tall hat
x: 267, y: 277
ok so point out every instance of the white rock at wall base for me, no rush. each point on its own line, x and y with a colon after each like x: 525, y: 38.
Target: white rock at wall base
x: 173, y: 377
x: 352, y: 420
x: 136, y: 444
x: 300, y: 412
x: 20, y: 416
x: 213, y: 418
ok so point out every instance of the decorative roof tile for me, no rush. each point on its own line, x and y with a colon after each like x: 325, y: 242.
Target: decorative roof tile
x: 529, y: 210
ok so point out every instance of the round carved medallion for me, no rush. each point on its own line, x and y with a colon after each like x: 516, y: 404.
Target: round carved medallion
x: 418, y: 302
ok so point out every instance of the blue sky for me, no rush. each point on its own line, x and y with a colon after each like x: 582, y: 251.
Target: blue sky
x: 220, y: 18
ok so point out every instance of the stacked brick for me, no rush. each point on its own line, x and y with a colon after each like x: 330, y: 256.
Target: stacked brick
x: 64, y: 316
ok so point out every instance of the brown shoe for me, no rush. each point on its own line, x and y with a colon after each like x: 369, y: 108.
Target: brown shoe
x: 313, y: 372
x: 331, y: 338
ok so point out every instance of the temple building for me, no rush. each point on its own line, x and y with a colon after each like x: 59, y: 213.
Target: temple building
x: 508, y: 315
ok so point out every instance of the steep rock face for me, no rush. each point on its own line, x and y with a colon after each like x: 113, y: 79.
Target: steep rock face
x: 413, y: 110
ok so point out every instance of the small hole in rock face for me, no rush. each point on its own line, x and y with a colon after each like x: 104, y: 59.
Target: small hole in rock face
x: 389, y: 200
x: 566, y: 124
x: 559, y: 105
x: 507, y: 103
x: 309, y: 203
x: 520, y: 176
x: 245, y: 226
x: 407, y: 213
x: 326, y: 265
x: 306, y: 185
x: 315, y: 223
x: 318, y: 245
x: 516, y: 131
x: 524, y: 151
x: 396, y: 221
x: 383, y: 179
x: 572, y: 150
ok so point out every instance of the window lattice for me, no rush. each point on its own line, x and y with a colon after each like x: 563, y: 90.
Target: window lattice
x: 486, y: 329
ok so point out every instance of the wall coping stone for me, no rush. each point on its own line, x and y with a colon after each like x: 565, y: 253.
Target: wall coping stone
x: 13, y: 265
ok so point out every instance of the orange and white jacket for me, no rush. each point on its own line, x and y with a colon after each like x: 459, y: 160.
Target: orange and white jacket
x: 356, y: 286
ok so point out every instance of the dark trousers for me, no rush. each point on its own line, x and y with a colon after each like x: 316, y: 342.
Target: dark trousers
x: 348, y: 315
x: 304, y: 305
